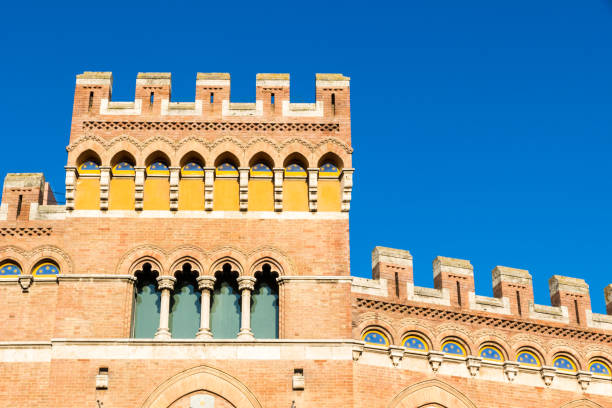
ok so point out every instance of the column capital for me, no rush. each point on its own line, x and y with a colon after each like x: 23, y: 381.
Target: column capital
x: 166, y: 282
x: 246, y: 282
x: 206, y: 282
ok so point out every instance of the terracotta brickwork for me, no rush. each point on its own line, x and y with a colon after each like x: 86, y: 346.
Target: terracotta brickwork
x: 219, y: 190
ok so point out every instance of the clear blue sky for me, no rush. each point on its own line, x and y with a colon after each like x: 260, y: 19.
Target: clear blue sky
x: 482, y: 129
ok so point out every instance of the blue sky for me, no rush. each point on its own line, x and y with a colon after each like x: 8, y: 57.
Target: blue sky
x: 482, y: 130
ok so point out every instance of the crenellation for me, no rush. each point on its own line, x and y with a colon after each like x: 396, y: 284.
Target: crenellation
x: 515, y: 285
x: 573, y: 294
x: 153, y: 98
x: 455, y: 275
x: 394, y: 266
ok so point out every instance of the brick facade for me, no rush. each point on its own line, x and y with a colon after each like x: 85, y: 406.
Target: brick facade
x: 66, y: 340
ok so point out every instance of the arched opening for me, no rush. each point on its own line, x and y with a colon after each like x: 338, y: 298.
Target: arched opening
x: 121, y: 195
x: 226, y: 188
x: 264, y: 304
x: 46, y: 267
x: 88, y: 182
x: 295, y: 183
x: 225, y: 306
x: 147, y: 300
x: 261, y: 183
x: 157, y: 183
x: 430, y: 394
x: 9, y: 269
x: 185, y: 305
x: 330, y: 168
x: 191, y: 184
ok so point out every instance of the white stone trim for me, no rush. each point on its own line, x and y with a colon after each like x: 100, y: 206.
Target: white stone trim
x: 374, y: 287
x: 241, y: 109
x: 489, y: 304
x: 47, y: 212
x: 599, y: 321
x: 213, y: 82
x: 4, y: 211
x: 549, y: 313
x: 181, y: 108
x: 153, y: 81
x: 332, y: 279
x: 333, y: 84
x: 120, y: 108
x: 427, y: 295
x: 270, y: 215
x: 94, y: 81
x: 303, y: 109
x: 273, y: 83
x: 94, y: 277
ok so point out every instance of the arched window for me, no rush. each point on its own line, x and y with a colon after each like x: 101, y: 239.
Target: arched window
x: 226, y: 189
x: 9, y: 269
x: 46, y: 268
x: 491, y: 353
x: 157, y: 186
x: 528, y: 358
x: 295, y: 188
x: 88, y: 184
x: 598, y: 367
x: 147, y: 298
x: 264, y: 304
x: 415, y: 342
x: 185, y: 305
x: 122, y: 186
x: 376, y: 337
x: 564, y: 363
x: 329, y: 187
x: 261, y: 188
x: 225, y: 308
x: 454, y: 348
x: 191, y: 187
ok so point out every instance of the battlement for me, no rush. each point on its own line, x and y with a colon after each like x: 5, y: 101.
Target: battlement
x: 212, y: 101
x: 454, y: 287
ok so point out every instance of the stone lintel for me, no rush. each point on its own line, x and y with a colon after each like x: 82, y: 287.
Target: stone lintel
x: 566, y: 284
x: 512, y: 275
x: 392, y: 256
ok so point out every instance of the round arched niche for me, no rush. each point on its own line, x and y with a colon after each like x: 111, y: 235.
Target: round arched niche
x: 204, y: 380
x: 430, y: 394
x: 201, y: 399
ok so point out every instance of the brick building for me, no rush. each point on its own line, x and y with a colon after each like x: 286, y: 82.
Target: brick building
x: 202, y: 260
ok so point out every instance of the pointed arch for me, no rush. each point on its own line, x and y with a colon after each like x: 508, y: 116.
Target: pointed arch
x: 202, y: 378
x: 582, y: 403
x: 430, y: 392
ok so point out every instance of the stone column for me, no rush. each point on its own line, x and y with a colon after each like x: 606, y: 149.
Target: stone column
x: 206, y: 284
x: 165, y: 284
x: 313, y: 179
x: 174, y: 187
x: 346, y: 181
x: 104, y: 186
x: 246, y: 284
x: 244, y: 188
x: 139, y: 180
x: 278, y: 188
x: 70, y: 186
x: 209, y: 183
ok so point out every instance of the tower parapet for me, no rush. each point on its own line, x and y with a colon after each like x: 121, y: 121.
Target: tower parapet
x: 392, y: 281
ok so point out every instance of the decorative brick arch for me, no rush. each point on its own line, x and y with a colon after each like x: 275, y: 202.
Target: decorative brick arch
x: 202, y: 378
x: 583, y: 403
x: 430, y: 393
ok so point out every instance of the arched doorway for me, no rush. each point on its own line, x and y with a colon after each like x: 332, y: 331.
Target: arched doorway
x: 201, y: 386
x: 430, y: 394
